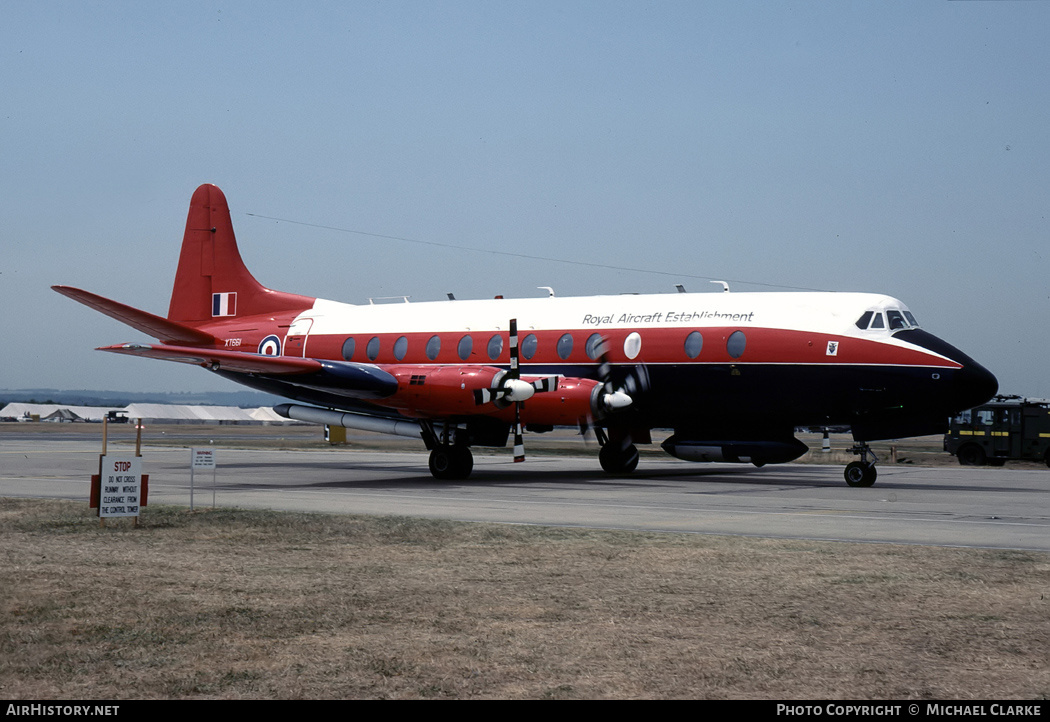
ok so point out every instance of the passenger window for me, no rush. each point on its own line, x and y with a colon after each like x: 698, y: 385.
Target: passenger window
x: 736, y: 344
x: 400, y: 348
x: 594, y: 346
x: 433, y: 347
x: 348, y: 349
x: 528, y: 346
x: 565, y: 346
x: 693, y: 343
x: 465, y: 345
x: 632, y: 345
x: 495, y: 347
x: 372, y: 349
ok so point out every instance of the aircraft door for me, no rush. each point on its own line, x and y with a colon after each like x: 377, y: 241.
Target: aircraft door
x: 1005, y: 426
x: 295, y: 341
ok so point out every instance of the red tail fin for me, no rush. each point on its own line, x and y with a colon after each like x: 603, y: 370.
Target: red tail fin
x: 212, y: 281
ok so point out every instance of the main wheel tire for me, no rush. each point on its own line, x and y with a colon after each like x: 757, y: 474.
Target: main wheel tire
x: 451, y: 462
x: 858, y: 473
x: 971, y: 455
x: 617, y: 460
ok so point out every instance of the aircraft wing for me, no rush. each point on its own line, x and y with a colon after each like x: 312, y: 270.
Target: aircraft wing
x: 155, y: 326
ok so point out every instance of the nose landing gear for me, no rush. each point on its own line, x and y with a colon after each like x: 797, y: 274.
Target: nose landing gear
x: 863, y: 472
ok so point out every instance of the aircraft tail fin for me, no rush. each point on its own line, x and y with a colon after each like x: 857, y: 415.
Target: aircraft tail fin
x: 212, y: 281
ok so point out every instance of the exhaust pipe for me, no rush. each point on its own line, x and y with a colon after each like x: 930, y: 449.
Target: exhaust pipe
x: 314, y: 415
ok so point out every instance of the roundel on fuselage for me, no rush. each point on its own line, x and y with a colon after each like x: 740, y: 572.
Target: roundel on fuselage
x: 270, y: 346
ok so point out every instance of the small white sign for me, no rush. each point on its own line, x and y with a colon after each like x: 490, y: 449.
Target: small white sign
x: 203, y: 459
x: 121, y: 486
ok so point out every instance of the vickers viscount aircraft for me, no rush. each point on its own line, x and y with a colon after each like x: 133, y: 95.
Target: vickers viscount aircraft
x: 729, y: 375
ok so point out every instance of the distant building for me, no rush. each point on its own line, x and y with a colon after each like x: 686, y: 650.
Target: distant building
x: 155, y: 413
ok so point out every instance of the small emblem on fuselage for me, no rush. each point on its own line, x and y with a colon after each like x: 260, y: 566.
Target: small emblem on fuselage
x: 270, y: 346
x: 833, y: 348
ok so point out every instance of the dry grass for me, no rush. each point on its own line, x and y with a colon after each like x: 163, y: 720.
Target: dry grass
x: 244, y: 604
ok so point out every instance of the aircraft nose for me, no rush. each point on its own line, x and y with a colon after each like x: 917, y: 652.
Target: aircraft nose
x: 974, y: 385
x: 970, y: 386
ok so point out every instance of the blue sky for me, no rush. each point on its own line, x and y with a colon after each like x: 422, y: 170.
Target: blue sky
x: 891, y: 147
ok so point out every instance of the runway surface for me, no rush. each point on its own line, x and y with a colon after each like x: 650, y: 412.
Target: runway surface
x: 944, y: 506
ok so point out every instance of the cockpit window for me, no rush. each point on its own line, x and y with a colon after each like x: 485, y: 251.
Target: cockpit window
x: 896, y: 319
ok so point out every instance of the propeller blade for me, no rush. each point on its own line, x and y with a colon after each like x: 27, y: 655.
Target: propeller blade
x: 547, y: 383
x: 514, y: 365
x: 519, y: 440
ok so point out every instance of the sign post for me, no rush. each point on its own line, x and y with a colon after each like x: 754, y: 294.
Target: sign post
x: 202, y: 459
x: 120, y: 488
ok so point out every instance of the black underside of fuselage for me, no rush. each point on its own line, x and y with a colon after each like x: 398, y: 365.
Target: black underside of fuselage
x: 744, y: 401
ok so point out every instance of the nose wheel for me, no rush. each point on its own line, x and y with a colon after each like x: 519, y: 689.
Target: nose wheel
x: 863, y: 472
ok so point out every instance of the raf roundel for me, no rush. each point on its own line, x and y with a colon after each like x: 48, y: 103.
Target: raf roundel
x: 270, y: 346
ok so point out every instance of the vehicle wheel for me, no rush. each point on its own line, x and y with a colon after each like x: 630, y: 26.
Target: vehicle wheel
x: 1047, y: 457
x: 971, y: 455
x: 451, y: 462
x: 858, y: 473
x: 464, y: 462
x: 618, y: 461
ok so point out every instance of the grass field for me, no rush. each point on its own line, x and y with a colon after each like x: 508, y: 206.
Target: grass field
x: 244, y: 604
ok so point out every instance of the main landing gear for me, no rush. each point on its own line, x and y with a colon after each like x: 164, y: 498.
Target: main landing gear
x: 450, y: 462
x: 450, y: 458
x: 618, y: 459
x: 863, y: 472
x: 618, y: 454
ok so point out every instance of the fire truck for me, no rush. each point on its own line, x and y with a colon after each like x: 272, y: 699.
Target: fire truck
x: 1007, y: 427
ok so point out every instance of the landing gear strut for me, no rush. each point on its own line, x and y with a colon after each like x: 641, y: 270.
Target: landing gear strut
x: 448, y: 460
x: 863, y: 472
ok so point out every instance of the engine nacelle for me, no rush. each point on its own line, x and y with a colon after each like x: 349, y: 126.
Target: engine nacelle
x: 440, y: 390
x: 742, y: 452
x: 448, y: 391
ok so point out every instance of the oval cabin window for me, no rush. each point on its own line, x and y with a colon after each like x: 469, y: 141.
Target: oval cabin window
x: 736, y: 344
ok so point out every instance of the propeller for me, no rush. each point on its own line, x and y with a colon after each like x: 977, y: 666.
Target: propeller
x: 511, y: 389
x: 613, y: 399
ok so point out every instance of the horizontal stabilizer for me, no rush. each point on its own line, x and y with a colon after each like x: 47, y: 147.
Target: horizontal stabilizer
x: 160, y: 328
x: 216, y: 359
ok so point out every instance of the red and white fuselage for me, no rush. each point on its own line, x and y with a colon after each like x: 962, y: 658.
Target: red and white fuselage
x: 717, y: 368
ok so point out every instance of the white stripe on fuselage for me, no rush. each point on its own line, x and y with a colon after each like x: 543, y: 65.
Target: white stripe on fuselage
x: 829, y: 313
